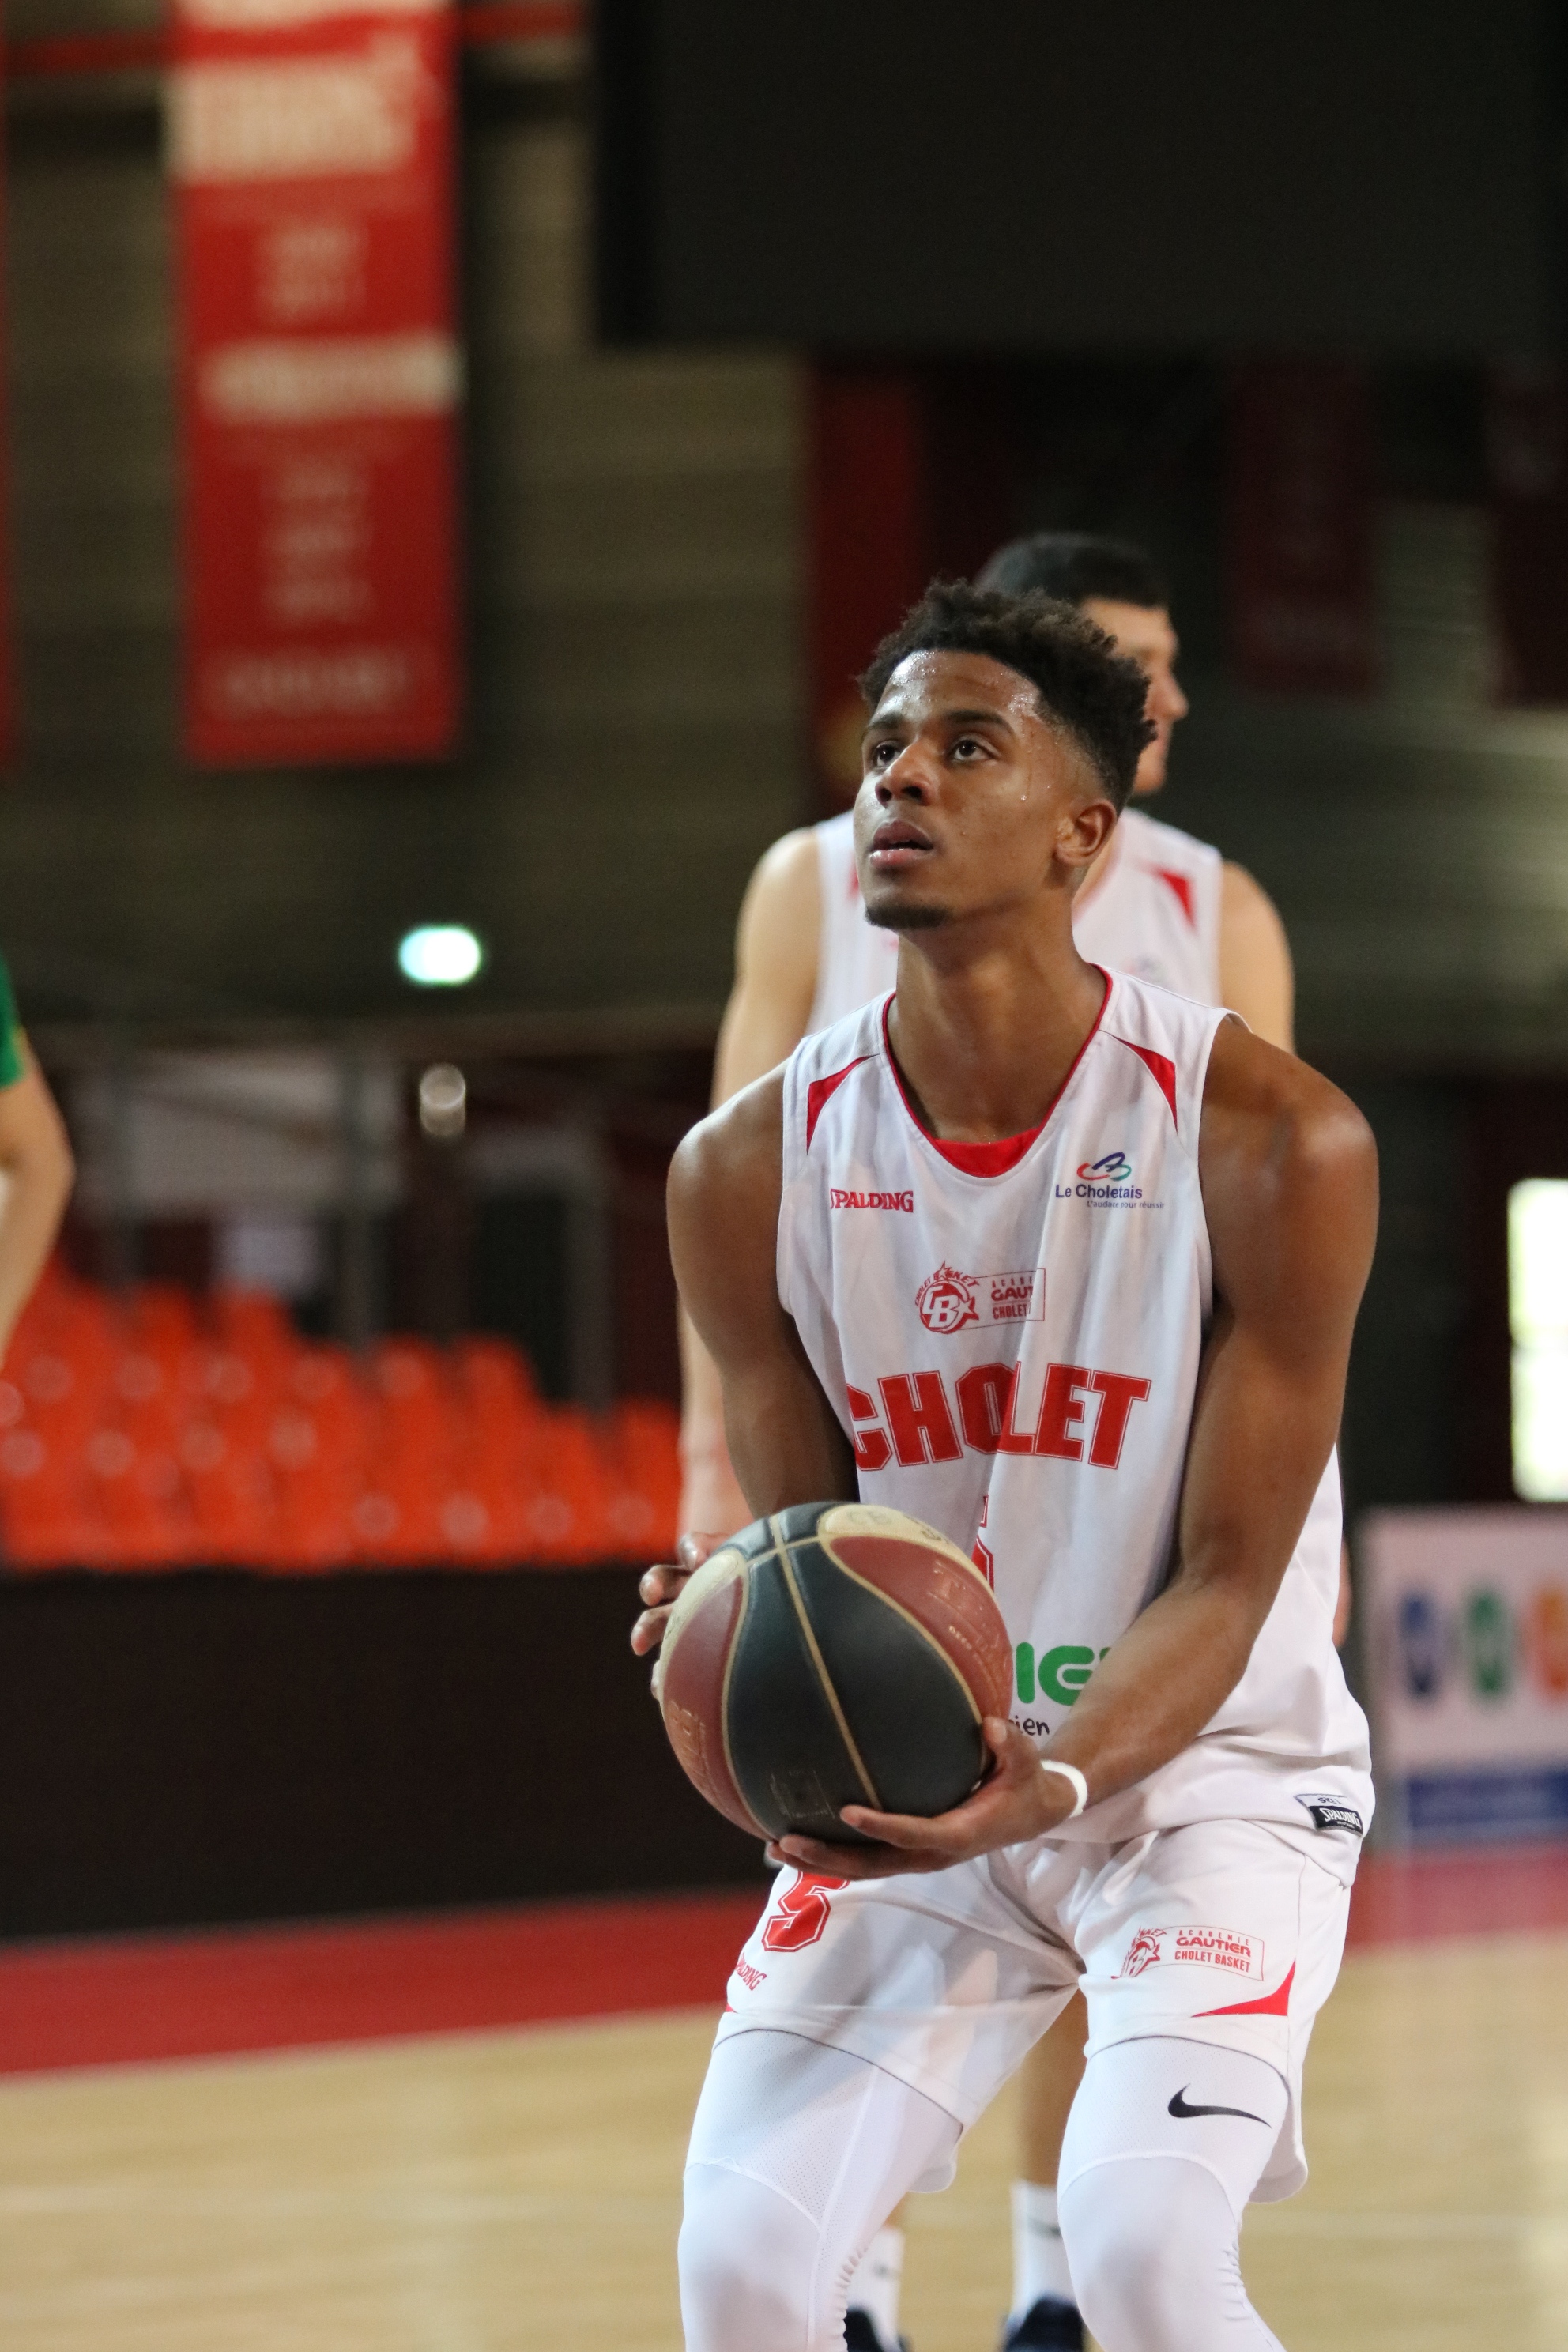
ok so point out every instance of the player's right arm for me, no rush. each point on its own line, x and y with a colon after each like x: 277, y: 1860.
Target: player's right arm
x: 764, y: 1021
x: 785, y: 1439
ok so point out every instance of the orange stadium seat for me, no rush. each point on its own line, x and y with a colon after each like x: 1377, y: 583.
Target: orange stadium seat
x: 150, y: 1429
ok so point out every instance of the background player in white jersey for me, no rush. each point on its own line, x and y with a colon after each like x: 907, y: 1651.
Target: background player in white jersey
x: 1218, y: 1297
x: 1156, y: 903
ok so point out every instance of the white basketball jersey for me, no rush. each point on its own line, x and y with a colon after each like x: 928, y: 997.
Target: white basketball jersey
x: 1153, y: 910
x: 1010, y: 1334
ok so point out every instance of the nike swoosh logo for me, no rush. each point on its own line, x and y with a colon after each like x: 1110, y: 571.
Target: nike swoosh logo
x: 1180, y: 2110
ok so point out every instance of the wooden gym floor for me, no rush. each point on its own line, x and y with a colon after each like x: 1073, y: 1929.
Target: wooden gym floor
x: 510, y: 2185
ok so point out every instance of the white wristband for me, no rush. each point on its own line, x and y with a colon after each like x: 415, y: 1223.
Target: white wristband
x: 1080, y: 1786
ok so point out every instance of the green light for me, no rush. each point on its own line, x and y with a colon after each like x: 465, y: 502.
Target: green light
x: 440, y: 955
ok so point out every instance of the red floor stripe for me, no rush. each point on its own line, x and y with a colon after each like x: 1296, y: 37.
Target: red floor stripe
x: 107, y: 2001
x: 1508, y: 1891
x: 110, y: 2000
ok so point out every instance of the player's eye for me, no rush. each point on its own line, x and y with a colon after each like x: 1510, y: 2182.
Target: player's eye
x: 969, y: 747
x: 881, y: 755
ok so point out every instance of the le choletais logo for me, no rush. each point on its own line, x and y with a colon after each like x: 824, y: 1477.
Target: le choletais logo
x: 1106, y: 1182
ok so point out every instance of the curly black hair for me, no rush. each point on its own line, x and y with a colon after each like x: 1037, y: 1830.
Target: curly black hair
x: 1074, y: 565
x: 1094, y: 693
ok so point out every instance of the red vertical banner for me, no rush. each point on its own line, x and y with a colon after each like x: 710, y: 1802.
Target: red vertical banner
x: 1300, y: 527
x: 312, y: 151
x: 1527, y: 465
x: 867, y: 546
x: 913, y: 471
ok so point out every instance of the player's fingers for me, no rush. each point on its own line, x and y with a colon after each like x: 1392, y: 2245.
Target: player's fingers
x: 649, y: 1631
x: 1014, y: 1751
x: 836, y: 1861
x: 905, y: 1831
x: 660, y: 1583
x: 693, y: 1547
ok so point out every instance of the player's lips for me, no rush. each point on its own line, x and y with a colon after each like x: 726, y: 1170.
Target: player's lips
x: 897, y: 845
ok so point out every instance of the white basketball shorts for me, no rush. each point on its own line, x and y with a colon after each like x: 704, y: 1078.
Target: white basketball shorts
x: 1223, y: 1931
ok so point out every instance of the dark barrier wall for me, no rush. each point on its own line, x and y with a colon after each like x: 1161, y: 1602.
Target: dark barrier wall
x: 206, y: 1747
x: 1025, y: 175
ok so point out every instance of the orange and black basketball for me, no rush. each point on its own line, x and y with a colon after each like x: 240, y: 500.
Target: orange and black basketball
x: 838, y: 1653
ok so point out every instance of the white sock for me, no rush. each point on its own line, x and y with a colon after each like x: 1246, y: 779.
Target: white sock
x: 1039, y: 2258
x: 874, y: 2289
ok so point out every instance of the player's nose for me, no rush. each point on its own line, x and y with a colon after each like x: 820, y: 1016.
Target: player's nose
x: 1166, y: 699
x: 911, y: 776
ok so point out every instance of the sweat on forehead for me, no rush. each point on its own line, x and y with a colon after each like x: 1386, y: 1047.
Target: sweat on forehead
x: 1082, y: 685
x: 952, y: 692
x: 936, y: 682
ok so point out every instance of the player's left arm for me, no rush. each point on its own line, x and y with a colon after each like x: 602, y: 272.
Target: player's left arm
x: 1290, y: 1184
x: 1256, y: 978
x: 35, y: 1162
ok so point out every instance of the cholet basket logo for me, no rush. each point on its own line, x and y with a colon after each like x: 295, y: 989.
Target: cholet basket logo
x: 947, y: 1300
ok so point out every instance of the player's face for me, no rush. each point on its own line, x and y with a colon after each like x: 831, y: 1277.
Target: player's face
x: 971, y: 800
x: 1143, y: 632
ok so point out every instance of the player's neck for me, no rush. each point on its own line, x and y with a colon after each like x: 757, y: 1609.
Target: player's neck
x: 986, y: 1030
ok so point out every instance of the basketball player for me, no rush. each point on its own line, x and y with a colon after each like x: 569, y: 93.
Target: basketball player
x: 34, y: 1164
x: 1156, y: 903
x: 1145, y: 1466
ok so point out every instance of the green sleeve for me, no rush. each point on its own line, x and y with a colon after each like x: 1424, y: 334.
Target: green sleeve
x: 12, y: 1065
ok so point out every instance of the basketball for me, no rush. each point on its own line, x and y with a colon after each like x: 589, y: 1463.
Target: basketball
x: 838, y: 1653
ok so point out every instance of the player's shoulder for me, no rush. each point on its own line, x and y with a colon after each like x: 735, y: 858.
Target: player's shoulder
x: 1245, y: 898
x: 1147, y: 1015
x: 776, y: 935
x: 733, y: 1156
x: 855, y: 1036
x: 787, y: 866
x: 1275, y: 1111
x: 1156, y: 842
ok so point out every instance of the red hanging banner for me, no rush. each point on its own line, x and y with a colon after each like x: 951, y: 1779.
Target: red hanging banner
x: 1299, y: 500
x: 312, y: 150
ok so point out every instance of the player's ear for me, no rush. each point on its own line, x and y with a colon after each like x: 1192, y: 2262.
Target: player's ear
x: 1084, y: 830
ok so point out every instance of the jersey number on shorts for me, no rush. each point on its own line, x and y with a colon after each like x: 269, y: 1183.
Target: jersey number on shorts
x: 802, y: 1914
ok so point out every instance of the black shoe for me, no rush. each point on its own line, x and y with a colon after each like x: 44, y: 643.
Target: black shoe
x: 1047, y: 2327
x: 860, y: 2334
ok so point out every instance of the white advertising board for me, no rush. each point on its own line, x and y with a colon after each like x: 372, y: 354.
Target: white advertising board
x: 1467, y: 1657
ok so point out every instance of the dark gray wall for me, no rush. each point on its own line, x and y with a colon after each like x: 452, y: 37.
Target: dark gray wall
x: 634, y: 531
x: 1419, y: 856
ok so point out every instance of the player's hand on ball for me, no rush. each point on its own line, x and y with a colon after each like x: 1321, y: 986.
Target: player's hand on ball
x: 660, y: 1589
x: 1016, y: 1801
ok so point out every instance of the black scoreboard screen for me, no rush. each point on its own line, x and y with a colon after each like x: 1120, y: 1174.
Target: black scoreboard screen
x: 1386, y: 176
